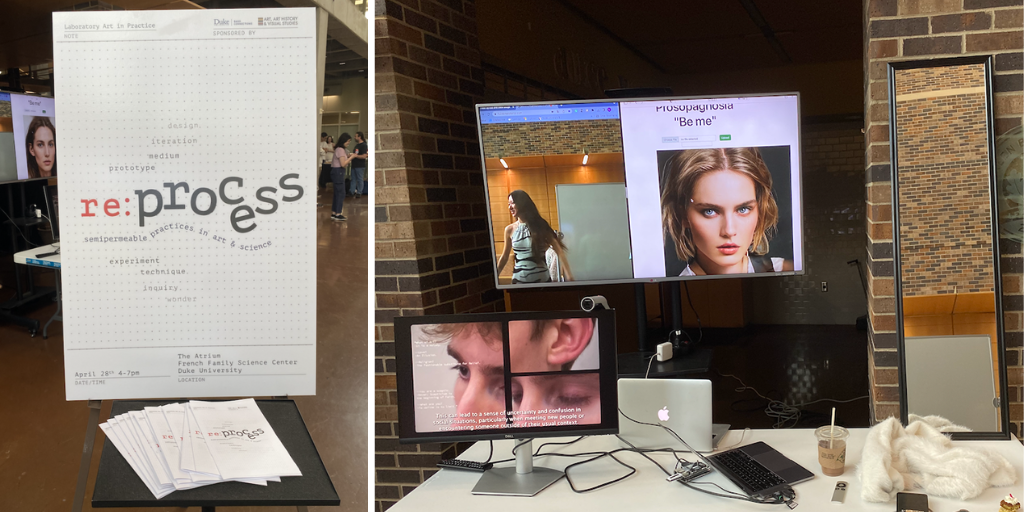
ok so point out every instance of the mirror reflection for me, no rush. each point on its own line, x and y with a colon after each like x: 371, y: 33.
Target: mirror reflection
x: 946, y: 251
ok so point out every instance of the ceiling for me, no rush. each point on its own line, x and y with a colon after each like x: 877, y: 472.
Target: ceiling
x: 730, y: 35
x: 26, y: 40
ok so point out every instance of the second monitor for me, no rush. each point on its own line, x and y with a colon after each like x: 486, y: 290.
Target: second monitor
x: 506, y: 375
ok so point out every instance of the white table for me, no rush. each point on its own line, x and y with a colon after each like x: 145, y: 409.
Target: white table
x: 449, y: 489
x: 30, y: 257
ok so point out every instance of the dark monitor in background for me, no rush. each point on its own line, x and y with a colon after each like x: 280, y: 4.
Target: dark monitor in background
x: 520, y: 375
x: 643, y: 190
x: 28, y: 137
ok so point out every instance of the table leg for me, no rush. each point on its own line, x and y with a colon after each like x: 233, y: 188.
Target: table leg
x: 83, y: 467
x: 56, y: 315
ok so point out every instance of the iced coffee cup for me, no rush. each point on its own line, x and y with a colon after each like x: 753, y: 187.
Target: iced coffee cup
x: 832, y: 449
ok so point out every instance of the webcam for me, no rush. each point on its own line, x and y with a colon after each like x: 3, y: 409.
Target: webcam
x: 594, y: 302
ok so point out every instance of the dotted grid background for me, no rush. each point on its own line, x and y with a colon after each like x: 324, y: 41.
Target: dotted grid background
x: 247, y: 108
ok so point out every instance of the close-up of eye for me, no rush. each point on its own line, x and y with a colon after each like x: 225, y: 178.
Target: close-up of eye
x: 573, y: 399
x: 572, y: 395
x: 709, y: 212
x: 517, y: 394
x: 745, y: 209
x: 462, y: 369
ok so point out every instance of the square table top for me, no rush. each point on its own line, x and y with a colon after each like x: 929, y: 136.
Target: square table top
x: 117, y: 484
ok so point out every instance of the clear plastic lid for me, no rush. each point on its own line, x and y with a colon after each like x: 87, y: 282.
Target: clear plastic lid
x: 827, y: 432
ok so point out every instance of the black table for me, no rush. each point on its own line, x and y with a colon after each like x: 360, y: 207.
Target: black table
x: 117, y: 484
x: 634, y: 365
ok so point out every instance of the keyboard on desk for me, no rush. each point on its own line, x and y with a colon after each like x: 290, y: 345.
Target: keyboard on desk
x: 747, y: 473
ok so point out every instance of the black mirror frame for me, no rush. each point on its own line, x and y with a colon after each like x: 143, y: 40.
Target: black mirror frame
x: 1004, y: 405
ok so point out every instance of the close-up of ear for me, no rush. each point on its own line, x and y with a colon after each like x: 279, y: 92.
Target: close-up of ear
x: 572, y: 336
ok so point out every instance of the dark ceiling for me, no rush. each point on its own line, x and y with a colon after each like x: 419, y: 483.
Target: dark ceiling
x: 730, y: 35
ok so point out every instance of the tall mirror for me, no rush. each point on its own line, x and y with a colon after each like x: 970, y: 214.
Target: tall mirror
x: 946, y: 259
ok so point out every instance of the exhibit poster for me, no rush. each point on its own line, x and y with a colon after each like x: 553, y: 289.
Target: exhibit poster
x: 188, y: 191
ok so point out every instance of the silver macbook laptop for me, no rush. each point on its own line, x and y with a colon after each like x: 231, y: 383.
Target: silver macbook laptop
x: 683, y: 405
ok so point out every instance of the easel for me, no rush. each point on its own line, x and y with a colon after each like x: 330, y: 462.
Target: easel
x: 90, y: 440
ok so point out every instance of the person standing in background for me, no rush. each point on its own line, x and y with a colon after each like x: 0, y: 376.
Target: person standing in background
x: 338, y: 162
x: 326, y: 155
x: 359, y: 165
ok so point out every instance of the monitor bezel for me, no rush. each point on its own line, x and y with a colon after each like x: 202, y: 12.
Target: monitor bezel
x: 608, y: 375
x: 634, y: 280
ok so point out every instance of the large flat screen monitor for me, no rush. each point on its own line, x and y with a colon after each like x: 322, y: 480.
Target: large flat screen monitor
x: 643, y: 190
x: 506, y: 375
x: 28, y: 137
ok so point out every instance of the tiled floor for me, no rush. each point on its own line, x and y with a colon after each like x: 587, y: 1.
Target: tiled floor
x: 41, y: 434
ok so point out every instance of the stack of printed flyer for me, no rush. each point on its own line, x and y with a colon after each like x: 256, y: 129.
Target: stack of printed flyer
x: 189, y: 445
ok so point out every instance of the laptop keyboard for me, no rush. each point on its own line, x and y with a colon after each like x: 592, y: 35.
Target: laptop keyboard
x: 746, y: 472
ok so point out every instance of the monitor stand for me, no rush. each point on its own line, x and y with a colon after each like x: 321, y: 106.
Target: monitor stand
x: 639, y: 364
x: 522, y: 480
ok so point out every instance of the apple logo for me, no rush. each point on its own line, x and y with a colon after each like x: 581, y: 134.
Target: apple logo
x: 663, y: 414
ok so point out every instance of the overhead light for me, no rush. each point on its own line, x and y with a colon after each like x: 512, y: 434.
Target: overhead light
x: 341, y: 63
x: 586, y: 156
x: 501, y: 158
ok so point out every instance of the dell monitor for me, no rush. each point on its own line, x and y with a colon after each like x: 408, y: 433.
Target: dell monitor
x: 643, y: 190
x: 523, y: 375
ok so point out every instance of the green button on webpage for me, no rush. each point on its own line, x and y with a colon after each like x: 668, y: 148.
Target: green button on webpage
x: 725, y: 137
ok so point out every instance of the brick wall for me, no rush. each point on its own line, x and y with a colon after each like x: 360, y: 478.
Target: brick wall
x: 552, y: 138
x: 946, y: 78
x: 945, y: 246
x: 833, y: 208
x: 431, y: 240
x: 900, y: 30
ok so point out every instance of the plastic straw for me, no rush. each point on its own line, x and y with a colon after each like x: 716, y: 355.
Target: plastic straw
x: 832, y: 429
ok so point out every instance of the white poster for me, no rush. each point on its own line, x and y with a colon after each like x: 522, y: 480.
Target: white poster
x: 188, y: 150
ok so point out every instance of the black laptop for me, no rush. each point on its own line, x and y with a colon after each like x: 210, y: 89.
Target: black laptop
x: 759, y: 469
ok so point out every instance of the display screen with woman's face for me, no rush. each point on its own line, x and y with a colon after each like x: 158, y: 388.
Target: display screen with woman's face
x: 721, y: 209
x: 596, y: 172
x: 722, y: 217
x: 44, y: 150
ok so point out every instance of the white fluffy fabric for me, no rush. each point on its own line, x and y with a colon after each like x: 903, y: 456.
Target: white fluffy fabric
x: 921, y: 456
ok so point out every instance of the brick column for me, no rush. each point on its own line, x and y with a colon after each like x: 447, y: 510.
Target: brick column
x: 431, y: 239
x: 899, y: 30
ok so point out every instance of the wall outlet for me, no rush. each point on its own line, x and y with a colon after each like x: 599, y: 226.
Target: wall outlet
x: 824, y: 286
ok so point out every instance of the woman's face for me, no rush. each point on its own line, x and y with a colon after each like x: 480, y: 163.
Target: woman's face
x: 512, y: 208
x: 44, y: 150
x: 330, y: 140
x: 722, y: 217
